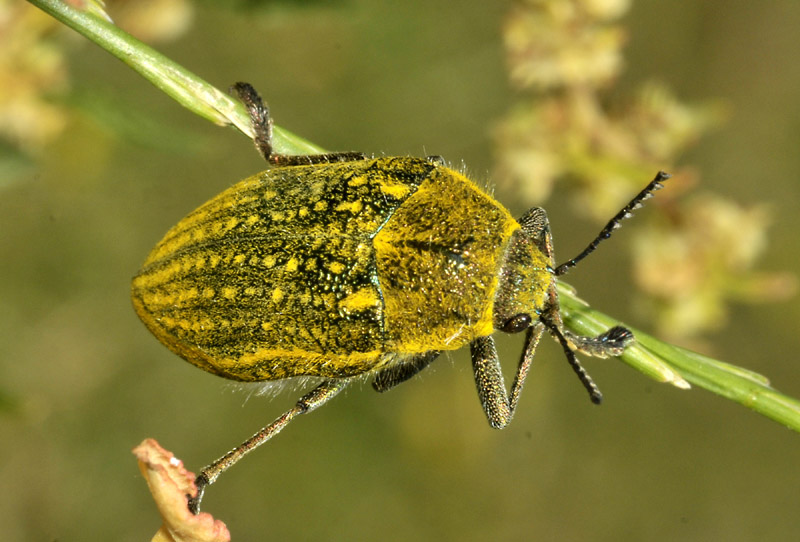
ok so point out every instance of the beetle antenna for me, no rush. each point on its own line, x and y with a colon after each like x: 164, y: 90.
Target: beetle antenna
x: 595, y: 394
x: 614, y: 223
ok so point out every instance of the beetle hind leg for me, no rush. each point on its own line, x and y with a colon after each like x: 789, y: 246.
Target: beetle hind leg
x: 310, y: 401
x: 262, y: 127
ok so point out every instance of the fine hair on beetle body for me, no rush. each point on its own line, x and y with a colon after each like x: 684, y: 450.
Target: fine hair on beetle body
x: 338, y: 267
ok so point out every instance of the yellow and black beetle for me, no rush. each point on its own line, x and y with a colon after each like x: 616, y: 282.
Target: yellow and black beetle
x: 340, y: 265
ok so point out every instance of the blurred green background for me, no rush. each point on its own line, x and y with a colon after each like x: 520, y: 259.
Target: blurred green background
x: 82, y: 381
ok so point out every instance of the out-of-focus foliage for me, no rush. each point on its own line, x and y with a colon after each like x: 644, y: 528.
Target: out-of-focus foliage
x: 34, y: 77
x: 564, y: 56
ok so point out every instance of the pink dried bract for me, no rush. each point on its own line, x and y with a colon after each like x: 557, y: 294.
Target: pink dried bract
x: 170, y: 483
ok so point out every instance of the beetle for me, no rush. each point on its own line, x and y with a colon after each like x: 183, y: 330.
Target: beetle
x: 340, y: 266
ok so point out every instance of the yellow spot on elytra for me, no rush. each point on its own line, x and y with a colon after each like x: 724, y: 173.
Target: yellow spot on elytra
x: 208, y: 293
x: 267, y: 326
x: 352, y: 206
x: 269, y: 194
x: 215, y: 259
x: 395, y: 190
x: 303, y: 212
x: 244, y: 200
x: 357, y: 181
x: 200, y: 263
x: 216, y: 228
x: 252, y: 219
x: 191, y: 293
x: 277, y: 295
x: 229, y: 292
x: 250, y: 291
x: 254, y: 261
x: 320, y: 206
x: 239, y: 259
x: 366, y: 298
x: 163, y: 299
x: 292, y: 264
x: 304, y: 298
x: 232, y: 222
x: 269, y: 261
x: 336, y: 267
x: 277, y: 216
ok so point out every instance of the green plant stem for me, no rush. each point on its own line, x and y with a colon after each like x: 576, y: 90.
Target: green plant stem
x: 658, y: 360
x: 668, y: 363
x: 183, y: 86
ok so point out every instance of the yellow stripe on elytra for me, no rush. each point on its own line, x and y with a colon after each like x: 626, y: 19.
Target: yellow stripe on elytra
x: 300, y: 360
x: 194, y: 228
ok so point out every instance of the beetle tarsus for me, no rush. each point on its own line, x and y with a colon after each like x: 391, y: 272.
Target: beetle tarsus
x: 201, y: 482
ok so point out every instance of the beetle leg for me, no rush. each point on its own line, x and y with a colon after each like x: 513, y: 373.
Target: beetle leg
x: 393, y: 375
x: 611, y: 343
x: 311, y: 401
x: 498, y: 404
x: 262, y: 126
x: 555, y: 330
x: 282, y: 160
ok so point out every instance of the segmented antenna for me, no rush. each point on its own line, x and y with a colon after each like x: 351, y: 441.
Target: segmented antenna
x: 614, y: 223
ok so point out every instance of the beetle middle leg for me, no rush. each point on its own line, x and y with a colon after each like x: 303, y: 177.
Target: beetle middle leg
x: 498, y: 404
x: 391, y: 376
x: 311, y: 401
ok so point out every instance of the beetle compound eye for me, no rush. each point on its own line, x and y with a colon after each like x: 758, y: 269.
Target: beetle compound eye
x: 518, y: 323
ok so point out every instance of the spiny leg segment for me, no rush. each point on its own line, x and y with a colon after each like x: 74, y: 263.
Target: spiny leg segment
x: 498, y: 404
x: 262, y: 126
x: 311, y: 401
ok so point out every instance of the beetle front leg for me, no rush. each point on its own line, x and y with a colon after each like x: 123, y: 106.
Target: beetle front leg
x: 498, y: 404
x: 611, y: 343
